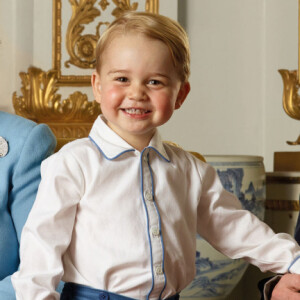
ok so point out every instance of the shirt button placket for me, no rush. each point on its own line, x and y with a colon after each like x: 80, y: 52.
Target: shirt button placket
x: 148, y: 195
x: 158, y: 270
x: 154, y: 228
x: 155, y: 232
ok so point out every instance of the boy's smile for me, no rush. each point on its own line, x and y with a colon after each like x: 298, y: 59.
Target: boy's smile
x: 138, y: 87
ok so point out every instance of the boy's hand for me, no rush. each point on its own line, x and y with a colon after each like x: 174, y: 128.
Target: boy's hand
x: 288, y: 288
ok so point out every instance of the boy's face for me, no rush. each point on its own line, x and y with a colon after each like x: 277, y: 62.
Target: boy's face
x: 138, y: 87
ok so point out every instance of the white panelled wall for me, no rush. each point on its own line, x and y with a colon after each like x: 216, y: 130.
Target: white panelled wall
x: 16, y: 46
x: 235, y: 105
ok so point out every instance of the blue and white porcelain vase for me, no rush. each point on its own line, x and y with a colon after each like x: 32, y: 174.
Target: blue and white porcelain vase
x: 216, y: 274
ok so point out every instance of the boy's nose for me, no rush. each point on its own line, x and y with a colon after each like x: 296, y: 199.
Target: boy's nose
x: 137, y: 92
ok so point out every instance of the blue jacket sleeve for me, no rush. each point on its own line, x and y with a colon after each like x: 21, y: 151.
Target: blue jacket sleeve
x: 38, y: 145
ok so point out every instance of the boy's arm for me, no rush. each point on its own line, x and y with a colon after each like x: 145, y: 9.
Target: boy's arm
x: 47, y: 232
x: 237, y: 233
x: 38, y: 145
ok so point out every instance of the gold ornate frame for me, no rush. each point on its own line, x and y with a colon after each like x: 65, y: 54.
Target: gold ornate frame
x: 83, y: 12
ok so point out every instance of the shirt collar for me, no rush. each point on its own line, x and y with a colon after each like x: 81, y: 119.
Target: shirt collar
x: 112, y: 145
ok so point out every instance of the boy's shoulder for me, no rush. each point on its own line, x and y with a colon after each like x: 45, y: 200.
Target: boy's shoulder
x: 79, y: 153
x: 77, y: 145
x: 78, y: 149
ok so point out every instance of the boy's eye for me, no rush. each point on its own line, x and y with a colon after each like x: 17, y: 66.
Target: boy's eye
x: 122, y: 79
x: 154, y: 82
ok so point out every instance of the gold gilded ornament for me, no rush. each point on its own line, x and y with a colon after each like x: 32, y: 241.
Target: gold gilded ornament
x: 81, y: 48
x: 103, y: 4
x: 291, y: 98
x: 69, y: 119
x: 122, y: 6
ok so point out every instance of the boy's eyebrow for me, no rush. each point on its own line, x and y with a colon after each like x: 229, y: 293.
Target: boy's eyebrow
x: 111, y: 72
x: 117, y: 71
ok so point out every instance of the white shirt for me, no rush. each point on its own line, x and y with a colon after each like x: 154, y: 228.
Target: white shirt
x: 113, y: 218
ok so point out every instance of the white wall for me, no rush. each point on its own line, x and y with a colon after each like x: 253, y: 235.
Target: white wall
x: 223, y: 114
x: 281, y: 53
x: 235, y: 105
x: 16, y: 46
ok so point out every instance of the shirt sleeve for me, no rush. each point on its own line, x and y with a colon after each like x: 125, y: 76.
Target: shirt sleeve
x: 39, y: 144
x: 48, y: 230
x: 238, y: 233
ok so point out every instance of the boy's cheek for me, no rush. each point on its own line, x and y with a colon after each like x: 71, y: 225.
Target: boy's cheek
x: 115, y: 92
x: 113, y: 96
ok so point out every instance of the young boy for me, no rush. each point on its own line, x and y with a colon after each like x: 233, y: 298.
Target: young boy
x: 117, y: 213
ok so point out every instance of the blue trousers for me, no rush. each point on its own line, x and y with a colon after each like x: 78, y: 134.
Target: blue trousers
x: 73, y: 291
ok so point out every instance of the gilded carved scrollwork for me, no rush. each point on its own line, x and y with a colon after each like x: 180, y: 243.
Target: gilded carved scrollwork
x: 39, y: 94
x: 41, y: 100
x: 291, y: 99
x: 69, y: 119
x: 123, y: 5
x: 81, y: 48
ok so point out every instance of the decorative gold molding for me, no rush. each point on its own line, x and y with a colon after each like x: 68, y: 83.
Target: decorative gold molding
x: 291, y: 99
x: 41, y: 103
x: 152, y: 6
x: 81, y: 47
x: 69, y: 119
x: 285, y: 205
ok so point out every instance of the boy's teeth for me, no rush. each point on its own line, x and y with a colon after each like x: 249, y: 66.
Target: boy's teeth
x: 135, y: 111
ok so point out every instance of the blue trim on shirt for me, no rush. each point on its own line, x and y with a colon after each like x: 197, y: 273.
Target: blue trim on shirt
x: 295, y: 259
x: 161, y: 237
x: 148, y: 231
x: 129, y: 150
x: 165, y: 159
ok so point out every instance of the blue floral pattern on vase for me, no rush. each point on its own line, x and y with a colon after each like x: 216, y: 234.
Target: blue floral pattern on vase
x: 250, y: 198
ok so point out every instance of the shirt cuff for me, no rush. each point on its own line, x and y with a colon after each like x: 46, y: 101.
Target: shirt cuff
x: 295, y: 266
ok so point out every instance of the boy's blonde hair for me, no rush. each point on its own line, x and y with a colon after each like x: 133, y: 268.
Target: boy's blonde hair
x: 153, y: 26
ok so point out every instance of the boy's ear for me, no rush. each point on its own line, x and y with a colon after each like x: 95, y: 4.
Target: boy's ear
x: 95, y: 80
x: 182, y: 94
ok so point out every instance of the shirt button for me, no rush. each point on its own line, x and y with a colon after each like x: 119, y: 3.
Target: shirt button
x: 158, y: 270
x: 148, y: 195
x: 155, y: 231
